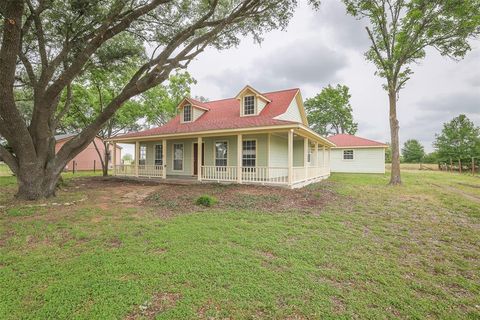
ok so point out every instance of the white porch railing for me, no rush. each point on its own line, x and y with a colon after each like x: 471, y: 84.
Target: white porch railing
x: 263, y: 175
x: 260, y: 175
x: 151, y: 171
x: 227, y: 173
x: 124, y: 169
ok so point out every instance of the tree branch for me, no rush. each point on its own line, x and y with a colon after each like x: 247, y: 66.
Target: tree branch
x: 9, y: 159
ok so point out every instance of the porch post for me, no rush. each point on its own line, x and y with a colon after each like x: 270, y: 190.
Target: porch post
x: 114, y: 158
x: 199, y: 158
x: 269, y: 136
x: 323, y: 156
x: 137, y: 156
x: 329, y: 153
x: 164, y: 159
x: 239, y: 158
x: 305, y: 157
x: 290, y: 157
x: 316, y: 154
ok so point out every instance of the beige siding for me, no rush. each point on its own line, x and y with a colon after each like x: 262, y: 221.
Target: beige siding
x: 292, y: 113
x: 278, y: 151
x: 197, y: 113
x: 231, y: 151
x: 366, y: 160
x: 260, y: 105
x: 209, y: 145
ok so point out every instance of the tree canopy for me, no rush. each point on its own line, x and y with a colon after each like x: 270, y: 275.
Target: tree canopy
x: 330, y: 112
x: 400, y: 31
x: 413, y: 151
x: 459, y: 140
x: 47, y: 45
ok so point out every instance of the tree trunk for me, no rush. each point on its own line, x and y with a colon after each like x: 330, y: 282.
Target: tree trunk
x: 36, y: 184
x: 105, y: 161
x: 394, y: 127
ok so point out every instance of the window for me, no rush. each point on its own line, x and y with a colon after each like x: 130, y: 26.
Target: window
x: 158, y: 155
x: 347, y: 154
x: 187, y: 113
x: 143, y: 155
x: 249, y: 153
x: 178, y: 156
x: 249, y: 105
x: 309, y: 158
x: 221, y: 153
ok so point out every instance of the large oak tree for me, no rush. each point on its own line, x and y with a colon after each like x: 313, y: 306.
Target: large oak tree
x: 401, y: 30
x: 47, y: 44
x: 330, y: 111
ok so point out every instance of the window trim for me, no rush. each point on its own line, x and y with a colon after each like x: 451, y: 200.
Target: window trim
x: 256, y: 152
x: 191, y: 113
x: 310, y: 154
x: 254, y: 105
x: 155, y: 154
x: 140, y: 155
x: 215, y: 152
x: 343, y: 155
x: 183, y: 157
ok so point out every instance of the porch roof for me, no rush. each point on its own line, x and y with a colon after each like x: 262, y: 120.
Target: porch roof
x: 297, y: 127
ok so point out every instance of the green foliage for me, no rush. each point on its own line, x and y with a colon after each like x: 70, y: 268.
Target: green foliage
x: 127, y: 157
x: 431, y: 157
x: 104, y: 79
x: 400, y: 32
x: 388, y: 153
x: 459, y: 140
x: 206, y: 201
x: 330, y: 112
x: 160, y: 103
x: 412, y: 151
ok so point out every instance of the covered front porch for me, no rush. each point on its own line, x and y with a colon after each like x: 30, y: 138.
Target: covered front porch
x: 291, y: 158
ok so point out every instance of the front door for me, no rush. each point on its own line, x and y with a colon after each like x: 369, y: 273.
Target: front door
x: 195, y: 157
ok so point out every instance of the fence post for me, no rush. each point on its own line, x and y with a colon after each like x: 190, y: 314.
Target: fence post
x: 473, y: 166
x: 73, y: 171
x: 94, y: 165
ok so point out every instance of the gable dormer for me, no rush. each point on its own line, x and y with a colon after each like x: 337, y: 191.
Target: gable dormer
x: 252, y: 102
x: 190, y: 110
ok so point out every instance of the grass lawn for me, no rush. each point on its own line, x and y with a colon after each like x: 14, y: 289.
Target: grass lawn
x: 4, y: 170
x: 348, y: 247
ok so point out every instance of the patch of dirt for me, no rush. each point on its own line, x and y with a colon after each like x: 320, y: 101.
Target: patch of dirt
x: 459, y: 192
x: 477, y: 186
x: 115, y: 243
x: 168, y: 199
x: 150, y: 309
x: 209, y: 310
x: 338, y: 306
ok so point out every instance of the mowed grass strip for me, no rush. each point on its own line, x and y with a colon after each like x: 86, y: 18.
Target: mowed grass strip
x: 370, y: 251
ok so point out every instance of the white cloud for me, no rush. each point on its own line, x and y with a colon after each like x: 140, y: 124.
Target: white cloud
x: 327, y: 46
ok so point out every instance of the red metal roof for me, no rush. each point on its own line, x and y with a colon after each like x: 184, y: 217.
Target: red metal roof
x: 347, y: 140
x: 225, y: 114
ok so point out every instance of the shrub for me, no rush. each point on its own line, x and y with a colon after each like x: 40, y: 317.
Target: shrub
x: 206, y: 201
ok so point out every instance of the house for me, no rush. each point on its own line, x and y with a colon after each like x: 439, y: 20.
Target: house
x: 356, y: 154
x: 88, y: 159
x: 254, y: 137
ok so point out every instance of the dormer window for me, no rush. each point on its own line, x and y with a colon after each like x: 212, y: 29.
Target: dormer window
x: 187, y: 113
x: 248, y: 105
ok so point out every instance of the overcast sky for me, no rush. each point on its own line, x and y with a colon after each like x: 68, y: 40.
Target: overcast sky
x: 326, y: 47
